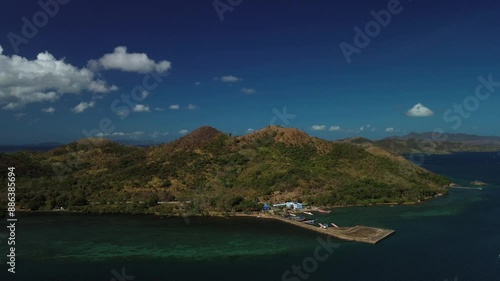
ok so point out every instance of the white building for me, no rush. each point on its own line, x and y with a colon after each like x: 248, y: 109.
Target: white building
x: 290, y: 205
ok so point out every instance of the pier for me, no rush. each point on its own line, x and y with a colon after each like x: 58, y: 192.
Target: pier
x: 469, y: 188
x: 358, y: 233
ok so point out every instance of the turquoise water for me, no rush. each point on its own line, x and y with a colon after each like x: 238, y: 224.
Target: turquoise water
x: 453, y: 236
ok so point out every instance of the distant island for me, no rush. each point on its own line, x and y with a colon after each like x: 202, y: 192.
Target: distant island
x: 479, y: 183
x: 209, y: 172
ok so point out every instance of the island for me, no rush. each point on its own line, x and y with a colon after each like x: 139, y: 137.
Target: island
x: 210, y: 172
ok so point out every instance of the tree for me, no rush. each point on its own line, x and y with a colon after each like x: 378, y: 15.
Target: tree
x: 36, y: 202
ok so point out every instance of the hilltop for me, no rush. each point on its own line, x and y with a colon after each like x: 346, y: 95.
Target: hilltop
x: 217, y: 172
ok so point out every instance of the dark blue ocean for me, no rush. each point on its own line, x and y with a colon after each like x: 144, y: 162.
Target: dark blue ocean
x: 454, y: 237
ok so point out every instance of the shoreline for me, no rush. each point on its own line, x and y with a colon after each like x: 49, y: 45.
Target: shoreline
x: 235, y: 214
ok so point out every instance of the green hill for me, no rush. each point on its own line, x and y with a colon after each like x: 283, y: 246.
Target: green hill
x: 208, y: 170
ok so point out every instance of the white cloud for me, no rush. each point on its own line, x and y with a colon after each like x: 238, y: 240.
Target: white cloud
x: 318, y: 127
x: 183, y: 132
x: 158, y: 134
x: 20, y: 115
x: 174, y: 107
x: 49, y: 109
x: 335, y: 128
x: 197, y: 83
x: 130, y: 62
x: 141, y: 108
x: 362, y: 128
x: 419, y: 110
x: 389, y: 130
x: 159, y: 109
x: 192, y: 107
x: 134, y: 135
x: 248, y: 91
x: 249, y: 130
x: 123, y: 113
x: 44, y: 79
x: 144, y: 94
x: 228, y: 79
x: 81, y: 107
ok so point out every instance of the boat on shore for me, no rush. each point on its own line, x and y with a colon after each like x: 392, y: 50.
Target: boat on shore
x: 324, y: 211
x: 309, y: 221
x: 324, y: 226
x: 308, y: 213
x: 297, y: 218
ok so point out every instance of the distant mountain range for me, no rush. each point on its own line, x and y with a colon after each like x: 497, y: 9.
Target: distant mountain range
x: 432, y: 143
x: 215, y: 171
x: 428, y: 143
x: 452, y: 137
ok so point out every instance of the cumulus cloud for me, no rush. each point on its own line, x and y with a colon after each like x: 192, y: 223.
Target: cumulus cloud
x: 141, y: 108
x: 183, y: 132
x: 133, y: 135
x: 228, y: 79
x: 120, y: 59
x: 335, y: 128
x: 144, y: 94
x: 249, y: 130
x: 248, y: 91
x: 81, y: 107
x: 389, y: 130
x: 192, y: 107
x: 159, y: 109
x: 123, y: 113
x: 20, y: 115
x: 158, y: 134
x: 49, y: 109
x: 318, y: 127
x: 44, y: 79
x: 174, y: 107
x: 419, y: 110
x: 136, y: 134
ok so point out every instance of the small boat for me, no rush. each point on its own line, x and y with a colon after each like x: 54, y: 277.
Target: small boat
x: 309, y: 221
x: 297, y: 218
x: 334, y: 225
x: 324, y: 226
x: 308, y: 213
x: 324, y: 211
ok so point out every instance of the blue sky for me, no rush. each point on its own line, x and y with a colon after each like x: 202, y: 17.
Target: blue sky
x: 239, y: 73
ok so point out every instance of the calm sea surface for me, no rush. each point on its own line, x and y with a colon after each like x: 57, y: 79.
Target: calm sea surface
x: 455, y: 236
